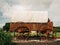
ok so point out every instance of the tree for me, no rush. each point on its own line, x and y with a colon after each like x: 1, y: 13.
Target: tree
x: 1, y: 29
x: 6, y: 27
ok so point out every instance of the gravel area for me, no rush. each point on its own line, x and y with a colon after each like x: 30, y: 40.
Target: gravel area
x: 36, y: 42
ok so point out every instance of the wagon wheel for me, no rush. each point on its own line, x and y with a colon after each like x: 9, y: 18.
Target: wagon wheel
x: 25, y: 31
x: 26, y: 36
x: 42, y: 34
x: 39, y: 34
x: 19, y: 37
x: 51, y: 35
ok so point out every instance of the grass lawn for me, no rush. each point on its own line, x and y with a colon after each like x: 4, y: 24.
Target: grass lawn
x: 58, y: 34
x: 12, y: 33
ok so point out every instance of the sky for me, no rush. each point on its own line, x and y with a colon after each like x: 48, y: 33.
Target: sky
x: 7, y: 6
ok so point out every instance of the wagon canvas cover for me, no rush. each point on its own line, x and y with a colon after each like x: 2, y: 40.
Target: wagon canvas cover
x: 31, y: 16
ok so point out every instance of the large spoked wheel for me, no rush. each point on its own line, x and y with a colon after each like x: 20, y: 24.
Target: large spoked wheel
x: 42, y: 35
x: 51, y: 35
x: 23, y: 33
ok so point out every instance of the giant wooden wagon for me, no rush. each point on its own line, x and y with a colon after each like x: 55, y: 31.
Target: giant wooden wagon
x: 34, y: 22
x: 40, y: 28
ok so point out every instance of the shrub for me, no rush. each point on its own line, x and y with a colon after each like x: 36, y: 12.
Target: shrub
x: 5, y: 38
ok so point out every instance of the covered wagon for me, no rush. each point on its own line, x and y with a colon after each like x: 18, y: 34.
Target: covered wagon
x: 32, y: 22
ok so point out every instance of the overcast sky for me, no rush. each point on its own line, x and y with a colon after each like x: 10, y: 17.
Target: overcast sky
x: 52, y: 6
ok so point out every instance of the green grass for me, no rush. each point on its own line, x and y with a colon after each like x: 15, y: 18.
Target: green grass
x: 57, y: 29
x: 12, y: 33
x: 58, y: 34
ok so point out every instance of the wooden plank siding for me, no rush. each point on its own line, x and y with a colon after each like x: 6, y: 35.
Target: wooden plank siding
x: 32, y: 26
